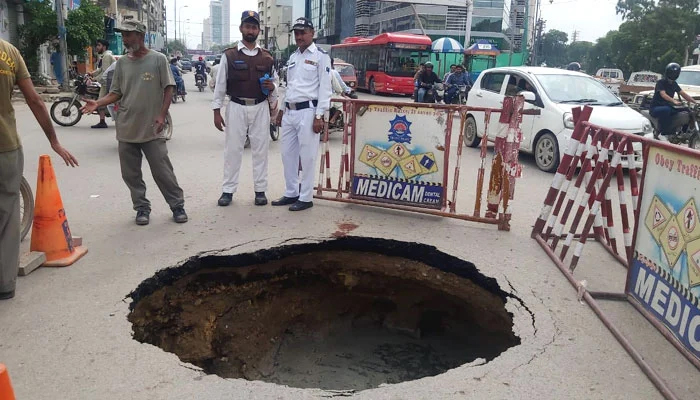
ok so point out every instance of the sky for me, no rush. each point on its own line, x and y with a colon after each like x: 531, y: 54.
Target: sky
x: 592, y: 18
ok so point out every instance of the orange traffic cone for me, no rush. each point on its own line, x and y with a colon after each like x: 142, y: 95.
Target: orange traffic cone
x: 50, y: 232
x: 6, y: 392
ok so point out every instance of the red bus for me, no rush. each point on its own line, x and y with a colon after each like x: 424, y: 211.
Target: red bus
x: 385, y: 63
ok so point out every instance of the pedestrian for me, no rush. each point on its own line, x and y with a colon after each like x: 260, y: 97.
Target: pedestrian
x: 306, y: 105
x: 57, y: 64
x: 13, y: 71
x: 248, y: 111
x: 143, y: 85
x: 103, y: 63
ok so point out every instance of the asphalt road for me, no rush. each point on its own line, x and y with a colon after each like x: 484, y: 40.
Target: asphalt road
x: 65, y: 335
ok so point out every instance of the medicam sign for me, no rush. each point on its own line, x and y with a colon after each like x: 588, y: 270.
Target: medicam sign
x: 399, y: 155
x: 664, y: 274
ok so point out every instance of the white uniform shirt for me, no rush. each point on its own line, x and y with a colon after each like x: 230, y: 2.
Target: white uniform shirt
x: 309, y: 78
x: 222, y: 77
x: 339, y: 85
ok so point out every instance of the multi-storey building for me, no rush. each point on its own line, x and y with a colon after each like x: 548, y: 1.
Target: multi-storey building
x: 216, y: 16
x: 275, y: 24
x: 206, y: 34
x: 150, y: 12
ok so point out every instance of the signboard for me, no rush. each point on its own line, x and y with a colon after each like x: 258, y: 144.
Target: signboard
x: 664, y: 274
x: 73, y: 4
x: 399, y: 156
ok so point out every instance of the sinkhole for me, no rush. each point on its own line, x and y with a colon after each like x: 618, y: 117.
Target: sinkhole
x: 346, y: 314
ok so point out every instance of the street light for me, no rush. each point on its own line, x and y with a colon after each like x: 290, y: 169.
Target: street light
x: 179, y: 11
x: 182, y: 31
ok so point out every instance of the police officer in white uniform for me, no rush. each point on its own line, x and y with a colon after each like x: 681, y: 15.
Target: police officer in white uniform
x: 305, y: 111
x: 248, y: 111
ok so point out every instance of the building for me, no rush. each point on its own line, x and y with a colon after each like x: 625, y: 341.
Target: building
x: 226, y: 21
x: 275, y: 24
x: 206, y: 34
x: 11, y: 16
x: 502, y: 22
x: 151, y: 13
x: 216, y: 17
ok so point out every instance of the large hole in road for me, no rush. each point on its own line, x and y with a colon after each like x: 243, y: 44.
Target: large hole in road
x: 351, y: 313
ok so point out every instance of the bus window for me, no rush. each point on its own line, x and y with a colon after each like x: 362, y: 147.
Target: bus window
x: 402, y: 62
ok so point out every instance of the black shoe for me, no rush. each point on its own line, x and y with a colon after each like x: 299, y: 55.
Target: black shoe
x: 301, y: 205
x: 285, y: 201
x: 7, y: 295
x: 102, y: 124
x: 143, y: 217
x: 180, y: 216
x: 225, y: 199
x: 260, y: 199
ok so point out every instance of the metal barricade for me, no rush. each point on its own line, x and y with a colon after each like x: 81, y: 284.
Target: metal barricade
x: 661, y: 284
x: 397, y: 156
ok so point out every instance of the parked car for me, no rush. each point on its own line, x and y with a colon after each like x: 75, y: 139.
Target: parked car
x: 638, y: 82
x: 347, y: 73
x: 612, y: 78
x: 186, y: 65
x: 555, y: 92
x: 688, y: 80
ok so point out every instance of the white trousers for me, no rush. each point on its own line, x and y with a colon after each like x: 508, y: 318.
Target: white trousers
x: 299, y: 142
x: 253, y: 121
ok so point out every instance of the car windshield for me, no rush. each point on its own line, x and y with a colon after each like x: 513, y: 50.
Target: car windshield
x: 691, y: 78
x: 575, y: 89
x: 345, y: 70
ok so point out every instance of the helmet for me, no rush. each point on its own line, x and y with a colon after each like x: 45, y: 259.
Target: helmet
x: 201, y: 58
x: 574, y: 66
x: 428, y: 65
x: 672, y: 71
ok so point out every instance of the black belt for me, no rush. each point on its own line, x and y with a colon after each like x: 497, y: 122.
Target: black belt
x: 250, y: 102
x: 301, y: 106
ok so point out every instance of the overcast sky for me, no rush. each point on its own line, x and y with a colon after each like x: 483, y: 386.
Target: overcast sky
x: 592, y: 18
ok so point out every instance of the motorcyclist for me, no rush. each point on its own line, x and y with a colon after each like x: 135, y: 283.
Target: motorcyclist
x: 663, y: 105
x: 178, y: 77
x: 339, y: 88
x: 426, y: 80
x: 200, y: 68
x: 454, y: 81
x: 574, y: 66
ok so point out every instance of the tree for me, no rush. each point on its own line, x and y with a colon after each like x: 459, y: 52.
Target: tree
x: 39, y: 28
x: 173, y: 46
x: 554, y: 47
x: 84, y: 26
x: 579, y: 52
x: 219, y: 48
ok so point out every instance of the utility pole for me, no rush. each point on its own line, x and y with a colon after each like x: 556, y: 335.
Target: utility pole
x: 468, y: 25
x: 62, y: 44
x: 175, y: 15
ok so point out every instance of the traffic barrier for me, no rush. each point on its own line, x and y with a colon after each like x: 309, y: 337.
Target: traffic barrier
x: 656, y: 237
x: 6, y: 392
x: 397, y: 156
x: 51, y: 234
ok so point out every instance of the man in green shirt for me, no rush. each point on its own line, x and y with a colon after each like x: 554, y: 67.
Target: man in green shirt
x: 13, y: 72
x: 143, y: 85
x: 105, y: 59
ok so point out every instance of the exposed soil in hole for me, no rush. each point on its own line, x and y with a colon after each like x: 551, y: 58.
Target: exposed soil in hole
x: 346, y: 314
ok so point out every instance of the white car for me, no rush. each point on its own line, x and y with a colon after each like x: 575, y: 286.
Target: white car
x: 556, y: 92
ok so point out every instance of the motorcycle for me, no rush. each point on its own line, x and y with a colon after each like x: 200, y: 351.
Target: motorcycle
x: 462, y: 95
x: 199, y: 82
x: 685, y: 126
x: 434, y: 93
x: 66, y: 110
x: 180, y: 94
x: 337, y: 109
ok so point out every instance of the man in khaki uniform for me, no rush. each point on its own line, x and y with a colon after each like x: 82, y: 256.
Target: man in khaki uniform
x: 105, y: 60
x: 143, y: 85
x: 13, y: 72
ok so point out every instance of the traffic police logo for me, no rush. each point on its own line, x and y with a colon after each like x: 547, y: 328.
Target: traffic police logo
x: 400, y: 131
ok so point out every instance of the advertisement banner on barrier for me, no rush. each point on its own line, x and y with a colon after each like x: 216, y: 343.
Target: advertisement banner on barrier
x: 664, y: 273
x: 399, y: 155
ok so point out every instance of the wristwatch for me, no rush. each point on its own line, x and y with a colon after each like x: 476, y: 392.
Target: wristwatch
x: 319, y: 117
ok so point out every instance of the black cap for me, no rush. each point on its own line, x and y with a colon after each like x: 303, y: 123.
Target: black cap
x: 250, y: 16
x: 302, y: 23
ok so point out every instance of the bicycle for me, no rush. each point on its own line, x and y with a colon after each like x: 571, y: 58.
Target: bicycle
x: 26, y: 208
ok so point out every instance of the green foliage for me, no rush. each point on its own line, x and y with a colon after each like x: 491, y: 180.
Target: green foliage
x: 83, y: 27
x: 219, y: 48
x: 652, y: 36
x: 39, y: 27
x: 173, y: 46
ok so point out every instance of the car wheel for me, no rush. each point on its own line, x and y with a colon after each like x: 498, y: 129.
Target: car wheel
x: 547, y: 152
x: 372, y: 87
x: 471, y: 136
